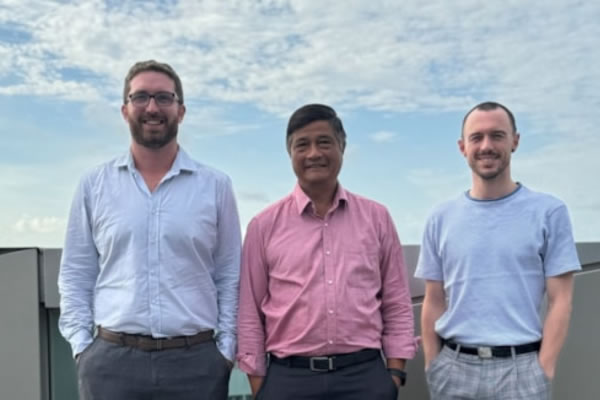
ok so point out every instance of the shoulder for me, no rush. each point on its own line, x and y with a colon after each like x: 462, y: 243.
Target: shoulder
x: 207, y: 172
x: 266, y: 220
x: 541, y: 201
x: 363, y: 203
x: 448, y: 207
x: 270, y: 213
x: 101, y: 172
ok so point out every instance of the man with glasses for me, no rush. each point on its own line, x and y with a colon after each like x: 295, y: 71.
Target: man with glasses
x: 323, y: 290
x: 487, y: 257
x: 150, y: 266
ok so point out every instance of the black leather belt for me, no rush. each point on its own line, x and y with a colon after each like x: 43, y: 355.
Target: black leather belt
x: 327, y: 363
x: 148, y: 343
x: 494, y: 351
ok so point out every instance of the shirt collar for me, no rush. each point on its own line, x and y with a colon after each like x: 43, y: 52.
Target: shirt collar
x: 182, y: 162
x: 302, y: 200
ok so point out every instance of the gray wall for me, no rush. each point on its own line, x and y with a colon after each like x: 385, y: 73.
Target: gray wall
x: 35, y: 361
x: 21, y: 369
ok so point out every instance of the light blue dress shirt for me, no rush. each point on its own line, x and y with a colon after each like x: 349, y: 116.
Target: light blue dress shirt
x: 162, y: 263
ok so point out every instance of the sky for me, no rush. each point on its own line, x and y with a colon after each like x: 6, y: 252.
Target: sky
x: 401, y: 74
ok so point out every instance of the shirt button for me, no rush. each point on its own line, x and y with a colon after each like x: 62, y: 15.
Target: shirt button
x: 330, y: 282
x: 326, y: 224
x: 330, y: 342
x: 327, y: 252
x: 330, y: 311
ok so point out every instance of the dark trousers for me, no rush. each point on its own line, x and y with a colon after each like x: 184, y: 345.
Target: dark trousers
x: 109, y: 371
x: 365, y: 381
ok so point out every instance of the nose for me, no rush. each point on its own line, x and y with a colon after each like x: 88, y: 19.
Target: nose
x: 486, y: 143
x: 152, y: 106
x: 313, y: 152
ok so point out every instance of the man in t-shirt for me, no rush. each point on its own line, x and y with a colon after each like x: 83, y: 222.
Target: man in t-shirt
x: 487, y: 257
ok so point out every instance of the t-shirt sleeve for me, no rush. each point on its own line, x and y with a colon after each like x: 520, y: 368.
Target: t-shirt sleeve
x: 560, y: 254
x: 429, y: 265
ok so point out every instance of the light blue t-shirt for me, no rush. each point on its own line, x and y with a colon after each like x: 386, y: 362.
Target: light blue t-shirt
x: 494, y: 257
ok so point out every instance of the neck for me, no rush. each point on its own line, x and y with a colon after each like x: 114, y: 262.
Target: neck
x: 321, y: 196
x: 154, y: 161
x: 490, y: 189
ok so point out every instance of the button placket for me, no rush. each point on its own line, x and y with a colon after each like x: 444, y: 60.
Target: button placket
x: 329, y: 275
x: 154, y: 260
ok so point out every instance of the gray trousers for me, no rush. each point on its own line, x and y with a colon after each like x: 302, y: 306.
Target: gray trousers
x: 365, y: 381
x: 109, y: 371
x: 453, y: 376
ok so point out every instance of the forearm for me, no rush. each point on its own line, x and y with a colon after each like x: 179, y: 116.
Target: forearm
x: 396, y: 363
x: 554, y: 334
x: 227, y: 299
x: 76, y: 322
x: 431, y: 312
x: 429, y: 339
x: 255, y: 383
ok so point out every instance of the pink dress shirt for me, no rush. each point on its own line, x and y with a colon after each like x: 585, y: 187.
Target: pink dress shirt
x: 319, y: 286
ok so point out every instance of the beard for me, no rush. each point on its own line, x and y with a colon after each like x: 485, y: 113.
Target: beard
x: 153, y: 137
x: 490, y: 174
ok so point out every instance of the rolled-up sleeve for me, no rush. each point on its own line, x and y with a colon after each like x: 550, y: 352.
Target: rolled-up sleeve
x: 78, y: 273
x: 398, y: 340
x: 251, y: 355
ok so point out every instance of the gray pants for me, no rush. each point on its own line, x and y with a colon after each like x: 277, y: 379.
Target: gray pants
x: 453, y: 375
x: 109, y: 371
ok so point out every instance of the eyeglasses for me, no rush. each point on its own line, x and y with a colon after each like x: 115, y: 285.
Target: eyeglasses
x: 162, y: 99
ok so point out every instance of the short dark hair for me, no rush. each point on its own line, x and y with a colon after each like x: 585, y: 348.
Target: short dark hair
x: 489, y: 106
x: 310, y: 113
x: 152, y: 65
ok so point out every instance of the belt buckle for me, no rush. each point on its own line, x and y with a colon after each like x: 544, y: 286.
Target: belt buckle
x: 484, y: 352
x: 316, y: 369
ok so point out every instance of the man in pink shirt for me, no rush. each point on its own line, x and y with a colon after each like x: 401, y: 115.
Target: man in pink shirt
x: 323, y: 288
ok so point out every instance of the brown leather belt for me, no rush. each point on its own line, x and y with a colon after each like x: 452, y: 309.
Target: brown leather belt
x: 148, y: 343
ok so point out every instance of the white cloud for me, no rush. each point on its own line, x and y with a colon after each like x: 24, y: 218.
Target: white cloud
x: 39, y: 224
x: 383, y: 136
x: 381, y: 55
x: 278, y: 54
x: 254, y: 197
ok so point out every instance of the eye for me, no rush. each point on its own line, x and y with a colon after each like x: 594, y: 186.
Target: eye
x: 164, y: 98
x: 301, y: 144
x: 324, y: 142
x: 139, y: 97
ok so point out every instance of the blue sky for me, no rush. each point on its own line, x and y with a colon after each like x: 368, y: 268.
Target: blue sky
x: 400, y: 73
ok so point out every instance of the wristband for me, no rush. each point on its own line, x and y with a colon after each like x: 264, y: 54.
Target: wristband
x: 399, y: 373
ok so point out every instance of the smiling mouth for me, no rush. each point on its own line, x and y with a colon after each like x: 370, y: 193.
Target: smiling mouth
x: 154, y: 122
x: 488, y: 157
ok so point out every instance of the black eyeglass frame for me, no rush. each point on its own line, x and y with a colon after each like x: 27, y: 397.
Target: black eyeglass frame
x: 171, y: 96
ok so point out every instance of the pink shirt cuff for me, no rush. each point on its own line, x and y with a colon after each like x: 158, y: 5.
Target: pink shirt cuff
x: 252, y: 364
x: 404, y: 347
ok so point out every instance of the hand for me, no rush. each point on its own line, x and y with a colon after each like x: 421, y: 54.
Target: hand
x: 548, y: 368
x: 430, y: 360
x: 229, y: 364
x: 255, y: 383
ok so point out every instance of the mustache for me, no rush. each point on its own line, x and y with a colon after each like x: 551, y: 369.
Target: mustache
x: 315, y: 164
x: 152, y: 115
x: 487, y: 153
